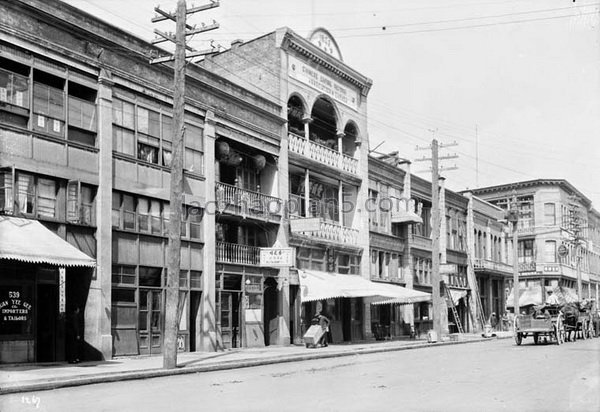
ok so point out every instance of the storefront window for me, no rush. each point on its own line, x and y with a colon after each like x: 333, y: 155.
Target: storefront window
x: 16, y: 315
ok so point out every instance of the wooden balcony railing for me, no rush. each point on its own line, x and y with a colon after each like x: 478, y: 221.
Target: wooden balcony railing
x: 240, y: 254
x: 322, y: 154
x: 246, y: 202
x: 420, y: 242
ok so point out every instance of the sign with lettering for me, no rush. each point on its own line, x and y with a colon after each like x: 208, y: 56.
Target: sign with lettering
x: 309, y: 224
x: 15, y: 309
x: 62, y: 290
x: 277, y: 257
x: 302, y: 72
x: 324, y: 41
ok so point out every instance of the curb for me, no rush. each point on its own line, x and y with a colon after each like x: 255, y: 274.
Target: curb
x: 227, y: 365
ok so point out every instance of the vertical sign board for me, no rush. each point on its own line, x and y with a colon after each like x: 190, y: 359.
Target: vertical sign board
x: 62, y: 291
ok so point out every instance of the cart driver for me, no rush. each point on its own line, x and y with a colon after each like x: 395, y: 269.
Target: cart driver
x: 552, y: 299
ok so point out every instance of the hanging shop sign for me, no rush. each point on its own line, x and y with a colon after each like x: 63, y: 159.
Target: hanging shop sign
x: 563, y: 251
x: 309, y: 224
x: 277, y: 257
x: 62, y: 290
x: 302, y: 72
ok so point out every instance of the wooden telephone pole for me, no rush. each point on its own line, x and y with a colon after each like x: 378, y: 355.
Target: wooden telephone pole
x: 435, y: 232
x: 176, y: 199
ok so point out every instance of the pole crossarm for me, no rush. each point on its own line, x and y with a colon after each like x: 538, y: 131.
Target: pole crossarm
x: 203, y: 28
x: 167, y: 16
x: 168, y: 37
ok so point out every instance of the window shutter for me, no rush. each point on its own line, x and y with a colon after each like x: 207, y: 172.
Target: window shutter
x: 73, y: 201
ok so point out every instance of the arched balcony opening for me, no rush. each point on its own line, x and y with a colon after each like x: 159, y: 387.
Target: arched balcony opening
x: 323, y: 128
x: 295, y: 114
x: 349, y: 140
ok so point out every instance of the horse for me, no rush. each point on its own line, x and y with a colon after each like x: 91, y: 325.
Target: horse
x: 571, y: 314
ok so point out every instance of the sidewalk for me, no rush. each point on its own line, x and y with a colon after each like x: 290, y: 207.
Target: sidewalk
x: 37, y: 377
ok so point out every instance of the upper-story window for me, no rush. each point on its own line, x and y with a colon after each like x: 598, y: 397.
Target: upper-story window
x: 32, y: 195
x: 550, y: 251
x: 14, y: 92
x: 146, y: 133
x: 146, y: 215
x: 549, y: 214
x: 525, y: 206
x: 60, y: 107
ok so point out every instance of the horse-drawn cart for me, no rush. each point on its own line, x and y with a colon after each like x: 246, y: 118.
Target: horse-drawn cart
x: 544, y: 322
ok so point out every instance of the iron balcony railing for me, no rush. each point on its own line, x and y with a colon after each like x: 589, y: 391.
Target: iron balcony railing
x: 246, y: 202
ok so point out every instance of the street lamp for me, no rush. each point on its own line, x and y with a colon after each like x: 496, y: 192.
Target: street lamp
x: 513, y: 217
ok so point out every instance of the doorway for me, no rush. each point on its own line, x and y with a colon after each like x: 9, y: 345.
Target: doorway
x: 229, y: 316
x: 194, y: 308
x: 149, y: 320
x: 270, y: 318
x: 47, y: 313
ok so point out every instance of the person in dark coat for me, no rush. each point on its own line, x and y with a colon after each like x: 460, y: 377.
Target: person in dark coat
x: 324, y: 323
x: 75, y: 335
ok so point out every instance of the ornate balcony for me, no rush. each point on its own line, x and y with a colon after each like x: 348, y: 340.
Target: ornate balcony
x: 246, y: 203
x: 322, y: 154
x: 527, y: 266
x: 333, y: 232
x: 481, y: 265
x: 238, y: 254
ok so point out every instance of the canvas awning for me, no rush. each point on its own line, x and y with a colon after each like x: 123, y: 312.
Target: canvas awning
x: 457, y: 294
x: 533, y: 295
x: 317, y: 285
x: 27, y: 240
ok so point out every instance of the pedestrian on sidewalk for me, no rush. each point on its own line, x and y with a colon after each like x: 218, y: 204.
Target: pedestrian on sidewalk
x: 324, y: 323
x: 75, y: 335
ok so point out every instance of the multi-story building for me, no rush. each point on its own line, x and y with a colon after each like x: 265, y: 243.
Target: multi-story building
x: 85, y: 150
x: 328, y: 192
x: 558, y: 232
x: 490, y: 259
x: 390, y: 219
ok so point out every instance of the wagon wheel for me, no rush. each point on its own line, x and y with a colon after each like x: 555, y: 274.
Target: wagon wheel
x: 536, y: 338
x: 518, y: 338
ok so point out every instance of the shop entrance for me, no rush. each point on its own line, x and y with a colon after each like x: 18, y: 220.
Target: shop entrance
x: 230, y: 319
x: 47, y: 314
x: 150, y: 333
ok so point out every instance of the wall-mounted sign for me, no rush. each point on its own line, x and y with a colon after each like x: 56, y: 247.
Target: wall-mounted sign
x: 563, y: 251
x: 277, y: 256
x: 309, y: 224
x: 448, y: 268
x: 302, y: 72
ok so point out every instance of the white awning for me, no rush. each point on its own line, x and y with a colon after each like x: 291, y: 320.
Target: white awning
x: 317, y: 285
x: 27, y: 240
x: 404, y: 216
x: 457, y: 294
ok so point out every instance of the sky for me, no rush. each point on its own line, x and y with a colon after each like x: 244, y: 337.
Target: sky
x: 514, y: 83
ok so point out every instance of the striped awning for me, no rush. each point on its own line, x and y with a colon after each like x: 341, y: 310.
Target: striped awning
x: 317, y: 285
x: 27, y: 240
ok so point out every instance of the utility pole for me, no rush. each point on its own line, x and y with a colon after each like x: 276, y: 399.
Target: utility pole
x: 512, y: 216
x: 176, y: 198
x: 576, y: 226
x: 435, y: 231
